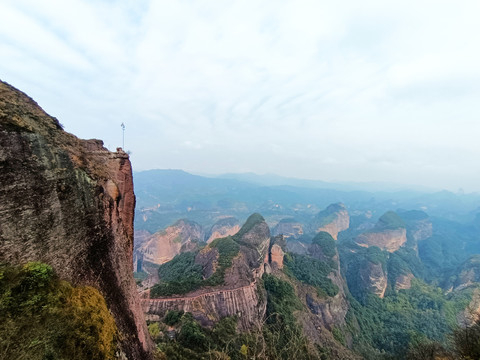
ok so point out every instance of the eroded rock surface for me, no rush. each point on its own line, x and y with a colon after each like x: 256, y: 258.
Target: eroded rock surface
x: 289, y: 228
x: 373, y: 279
x: 404, y: 281
x: 388, y: 234
x: 333, y: 219
x: 222, y: 228
x: 239, y: 294
x: 210, y: 307
x: 162, y: 246
x: 390, y: 240
x: 69, y: 203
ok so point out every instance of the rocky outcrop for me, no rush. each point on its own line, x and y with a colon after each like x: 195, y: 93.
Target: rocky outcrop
x: 290, y: 228
x: 278, y: 246
x: 238, y: 295
x: 333, y: 219
x: 297, y: 247
x: 69, y: 203
x: 388, y: 234
x: 421, y: 230
x: 331, y: 309
x: 373, y: 279
x: 404, y: 281
x: 162, y: 246
x: 471, y: 314
x: 224, y: 227
x: 390, y: 240
x: 208, y: 308
x: 468, y: 273
x: 276, y: 256
x: 139, y: 237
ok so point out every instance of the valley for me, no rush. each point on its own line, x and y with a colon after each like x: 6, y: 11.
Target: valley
x: 361, y: 273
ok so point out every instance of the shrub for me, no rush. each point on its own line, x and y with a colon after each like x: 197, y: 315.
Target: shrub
x: 326, y: 243
x: 311, y: 272
x: 42, y: 317
x: 173, y: 317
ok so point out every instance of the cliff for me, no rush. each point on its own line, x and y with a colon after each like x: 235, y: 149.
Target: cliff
x: 290, y: 228
x: 468, y: 273
x: 333, y: 219
x: 162, y: 246
x: 234, y: 291
x: 374, y: 279
x: 388, y: 234
x: 223, y: 227
x: 332, y: 309
x: 208, y: 308
x: 69, y: 203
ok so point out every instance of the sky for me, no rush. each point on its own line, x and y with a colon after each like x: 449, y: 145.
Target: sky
x: 383, y: 91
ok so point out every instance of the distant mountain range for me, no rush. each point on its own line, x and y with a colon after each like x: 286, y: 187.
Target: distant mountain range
x: 164, y: 196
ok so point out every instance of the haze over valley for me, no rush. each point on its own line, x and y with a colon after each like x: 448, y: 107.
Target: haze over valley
x: 232, y: 180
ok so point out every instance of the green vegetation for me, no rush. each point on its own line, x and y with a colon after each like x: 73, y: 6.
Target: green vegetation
x: 403, y: 262
x: 173, y: 317
x: 354, y: 259
x: 252, y: 220
x: 182, y: 275
x: 413, y: 215
x: 281, y: 300
x: 395, y: 322
x: 42, y: 317
x: 279, y: 337
x: 390, y: 221
x: 326, y: 243
x: 178, y: 276
x: 227, y: 248
x: 311, y: 272
x: 324, y: 217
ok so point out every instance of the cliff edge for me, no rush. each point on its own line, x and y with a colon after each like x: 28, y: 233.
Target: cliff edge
x: 69, y: 203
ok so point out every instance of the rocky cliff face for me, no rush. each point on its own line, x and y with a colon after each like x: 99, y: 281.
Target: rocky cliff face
x: 69, y: 203
x: 471, y: 314
x: 222, y: 228
x: 208, y: 308
x: 278, y: 246
x: 390, y: 240
x: 373, y: 279
x: 164, y: 245
x: 421, y: 230
x: 468, y: 274
x: 333, y: 219
x: 404, y: 281
x: 331, y: 310
x: 388, y: 234
x: 289, y: 228
x: 238, y: 295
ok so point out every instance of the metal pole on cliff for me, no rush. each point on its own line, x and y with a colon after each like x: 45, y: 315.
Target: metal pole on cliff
x: 123, y: 136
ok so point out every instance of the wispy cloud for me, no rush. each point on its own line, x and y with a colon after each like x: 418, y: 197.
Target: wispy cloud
x: 348, y: 90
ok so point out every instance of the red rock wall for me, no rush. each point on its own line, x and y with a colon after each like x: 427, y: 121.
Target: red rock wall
x: 69, y: 203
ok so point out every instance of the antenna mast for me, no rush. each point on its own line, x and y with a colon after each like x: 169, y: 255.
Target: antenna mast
x: 123, y: 136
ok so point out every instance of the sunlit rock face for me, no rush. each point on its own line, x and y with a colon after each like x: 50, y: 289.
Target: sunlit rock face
x: 222, y: 228
x: 162, y: 246
x: 69, y: 203
x: 374, y: 279
x: 239, y: 294
x: 388, y: 234
x: 333, y: 219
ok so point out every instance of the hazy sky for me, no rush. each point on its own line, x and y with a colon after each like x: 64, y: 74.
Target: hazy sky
x: 332, y: 90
